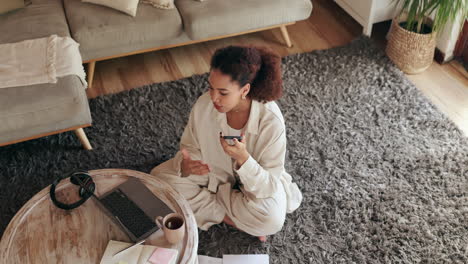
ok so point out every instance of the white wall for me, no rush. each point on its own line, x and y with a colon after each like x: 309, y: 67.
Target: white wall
x: 447, y: 39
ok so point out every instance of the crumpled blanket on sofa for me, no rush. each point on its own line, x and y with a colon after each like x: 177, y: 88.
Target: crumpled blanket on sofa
x: 39, y: 61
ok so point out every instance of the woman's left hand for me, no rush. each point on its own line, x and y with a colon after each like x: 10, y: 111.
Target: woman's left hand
x: 238, y: 151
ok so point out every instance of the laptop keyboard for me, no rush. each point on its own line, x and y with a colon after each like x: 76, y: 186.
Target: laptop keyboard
x: 129, y: 214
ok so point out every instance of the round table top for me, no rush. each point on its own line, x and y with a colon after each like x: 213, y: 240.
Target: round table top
x: 43, y: 233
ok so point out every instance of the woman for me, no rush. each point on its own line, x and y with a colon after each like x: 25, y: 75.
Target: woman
x: 243, y: 183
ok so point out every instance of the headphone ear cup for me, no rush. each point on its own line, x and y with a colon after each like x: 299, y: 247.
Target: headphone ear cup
x: 91, y: 187
x: 82, y: 176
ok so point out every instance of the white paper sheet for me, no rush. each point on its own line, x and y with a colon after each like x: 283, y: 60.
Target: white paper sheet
x: 209, y: 260
x: 246, y: 259
x: 130, y: 256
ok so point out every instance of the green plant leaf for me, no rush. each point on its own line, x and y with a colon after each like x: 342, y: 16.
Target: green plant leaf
x: 444, y: 11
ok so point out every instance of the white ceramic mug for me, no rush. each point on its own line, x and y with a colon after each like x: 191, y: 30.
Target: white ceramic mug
x: 173, y: 226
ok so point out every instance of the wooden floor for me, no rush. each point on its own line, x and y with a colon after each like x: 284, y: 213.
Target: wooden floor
x: 328, y: 26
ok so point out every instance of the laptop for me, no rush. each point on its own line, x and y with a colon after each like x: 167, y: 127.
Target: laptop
x: 133, y: 207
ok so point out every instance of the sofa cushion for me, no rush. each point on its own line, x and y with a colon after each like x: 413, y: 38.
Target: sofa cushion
x: 10, y: 5
x: 40, y: 19
x: 163, y: 4
x: 28, y: 111
x: 102, y: 29
x: 127, y: 6
x: 222, y: 17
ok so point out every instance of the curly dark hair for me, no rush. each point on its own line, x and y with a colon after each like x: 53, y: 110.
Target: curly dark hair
x: 259, y: 66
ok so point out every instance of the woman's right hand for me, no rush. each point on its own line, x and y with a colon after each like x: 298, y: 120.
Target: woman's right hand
x: 189, y: 166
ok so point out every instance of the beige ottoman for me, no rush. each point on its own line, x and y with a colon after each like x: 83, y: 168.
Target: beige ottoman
x: 34, y: 111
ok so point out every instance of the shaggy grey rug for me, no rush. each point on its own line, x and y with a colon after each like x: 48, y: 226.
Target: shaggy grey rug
x: 383, y: 173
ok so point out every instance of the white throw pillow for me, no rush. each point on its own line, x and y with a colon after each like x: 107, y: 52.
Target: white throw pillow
x: 126, y: 6
x: 163, y: 4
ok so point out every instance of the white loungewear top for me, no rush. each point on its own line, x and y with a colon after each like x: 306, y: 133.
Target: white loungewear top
x: 263, y: 173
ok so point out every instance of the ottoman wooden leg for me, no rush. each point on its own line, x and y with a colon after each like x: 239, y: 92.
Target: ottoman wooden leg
x: 285, y: 34
x: 83, y: 139
x: 91, y: 73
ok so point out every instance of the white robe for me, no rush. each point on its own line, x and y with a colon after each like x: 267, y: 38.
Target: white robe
x: 266, y: 192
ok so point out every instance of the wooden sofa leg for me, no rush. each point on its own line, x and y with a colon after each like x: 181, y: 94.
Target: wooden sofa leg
x: 83, y: 139
x: 285, y: 34
x: 91, y: 73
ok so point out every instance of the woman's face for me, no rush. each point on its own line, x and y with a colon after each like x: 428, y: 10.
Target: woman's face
x: 225, y: 93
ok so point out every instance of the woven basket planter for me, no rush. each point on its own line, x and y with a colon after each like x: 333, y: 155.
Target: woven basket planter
x: 411, y: 52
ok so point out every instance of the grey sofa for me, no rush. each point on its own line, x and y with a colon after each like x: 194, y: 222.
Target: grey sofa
x: 104, y: 33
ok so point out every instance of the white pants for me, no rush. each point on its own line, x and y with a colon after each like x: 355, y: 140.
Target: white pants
x: 257, y: 217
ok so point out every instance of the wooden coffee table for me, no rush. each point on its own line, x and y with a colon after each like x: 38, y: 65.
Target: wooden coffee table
x: 43, y: 233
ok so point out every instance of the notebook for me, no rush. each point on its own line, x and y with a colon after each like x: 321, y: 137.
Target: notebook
x: 141, y: 254
x: 235, y: 259
x: 246, y: 259
x: 209, y: 260
x: 163, y: 256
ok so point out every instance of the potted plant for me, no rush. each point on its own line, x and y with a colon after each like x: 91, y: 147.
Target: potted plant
x: 412, y: 37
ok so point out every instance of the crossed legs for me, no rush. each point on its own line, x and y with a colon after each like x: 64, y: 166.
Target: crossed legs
x: 257, y: 217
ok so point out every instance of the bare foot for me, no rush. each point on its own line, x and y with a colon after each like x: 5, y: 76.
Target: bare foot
x: 229, y: 221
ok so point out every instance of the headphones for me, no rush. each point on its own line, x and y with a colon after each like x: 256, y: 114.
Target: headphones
x: 80, y: 178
